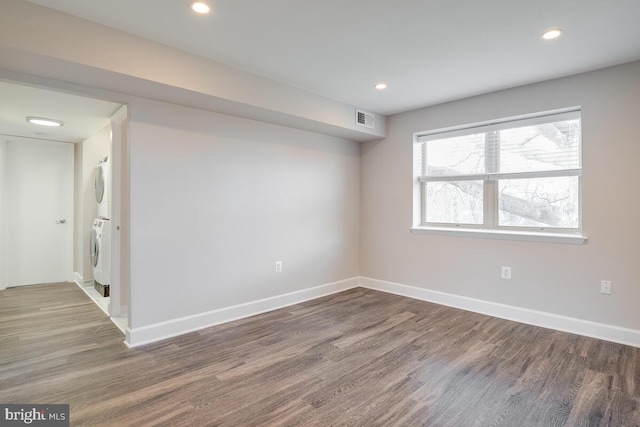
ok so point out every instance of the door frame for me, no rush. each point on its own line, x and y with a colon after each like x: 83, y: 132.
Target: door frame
x: 119, y: 170
x: 3, y: 213
x: 120, y: 203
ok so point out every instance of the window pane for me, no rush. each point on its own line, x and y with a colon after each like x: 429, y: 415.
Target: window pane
x: 543, y: 147
x: 539, y: 202
x: 462, y: 155
x: 454, y: 202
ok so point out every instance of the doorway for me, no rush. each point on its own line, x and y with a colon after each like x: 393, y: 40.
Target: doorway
x: 47, y: 196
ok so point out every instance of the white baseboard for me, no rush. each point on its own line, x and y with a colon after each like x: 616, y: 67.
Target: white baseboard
x: 572, y: 325
x: 159, y: 331
x: 89, y: 284
x: 79, y: 280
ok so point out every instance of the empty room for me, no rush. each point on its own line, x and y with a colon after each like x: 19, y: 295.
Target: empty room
x: 319, y: 213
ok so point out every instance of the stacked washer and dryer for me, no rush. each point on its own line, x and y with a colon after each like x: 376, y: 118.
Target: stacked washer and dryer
x: 100, y: 247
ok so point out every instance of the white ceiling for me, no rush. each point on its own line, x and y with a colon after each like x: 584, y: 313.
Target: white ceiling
x: 82, y: 117
x: 428, y: 51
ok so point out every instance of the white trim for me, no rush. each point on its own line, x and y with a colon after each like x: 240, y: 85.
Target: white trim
x: 115, y: 187
x: 563, y: 114
x: 525, y: 236
x: 539, y: 174
x: 3, y: 214
x: 159, y: 331
x: 84, y: 287
x: 498, y: 176
x: 542, y: 319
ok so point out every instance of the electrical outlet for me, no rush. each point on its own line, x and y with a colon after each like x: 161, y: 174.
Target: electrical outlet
x: 278, y: 266
x: 506, y: 273
x: 605, y: 287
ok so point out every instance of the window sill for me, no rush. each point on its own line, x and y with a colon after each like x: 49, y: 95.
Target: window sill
x: 525, y: 236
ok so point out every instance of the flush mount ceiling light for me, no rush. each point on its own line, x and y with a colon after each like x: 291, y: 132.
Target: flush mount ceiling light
x: 200, y: 7
x: 381, y: 86
x: 552, y: 34
x: 44, y: 121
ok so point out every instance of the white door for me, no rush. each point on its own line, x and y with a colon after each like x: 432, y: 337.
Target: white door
x: 39, y: 196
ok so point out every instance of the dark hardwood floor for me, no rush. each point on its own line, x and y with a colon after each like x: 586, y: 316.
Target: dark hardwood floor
x: 359, y: 357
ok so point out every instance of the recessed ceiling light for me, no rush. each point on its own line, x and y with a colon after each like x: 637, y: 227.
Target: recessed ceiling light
x: 381, y: 86
x: 200, y: 7
x: 552, y: 34
x: 44, y: 121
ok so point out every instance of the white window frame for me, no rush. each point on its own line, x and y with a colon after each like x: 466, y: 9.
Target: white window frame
x: 490, y: 227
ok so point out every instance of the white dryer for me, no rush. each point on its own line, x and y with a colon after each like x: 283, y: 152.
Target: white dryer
x: 103, y: 188
x: 100, y: 250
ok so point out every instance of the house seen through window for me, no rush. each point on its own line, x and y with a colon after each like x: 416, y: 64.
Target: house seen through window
x: 512, y: 174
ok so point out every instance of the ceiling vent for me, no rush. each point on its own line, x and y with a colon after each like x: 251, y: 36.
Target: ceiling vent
x: 365, y: 119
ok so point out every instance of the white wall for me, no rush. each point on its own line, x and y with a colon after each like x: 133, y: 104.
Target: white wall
x: 216, y: 200
x: 554, y: 278
x: 93, y: 149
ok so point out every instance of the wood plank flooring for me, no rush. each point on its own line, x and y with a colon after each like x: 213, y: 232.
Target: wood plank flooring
x: 357, y: 358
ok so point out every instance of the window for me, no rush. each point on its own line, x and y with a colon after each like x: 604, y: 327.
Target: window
x: 520, y: 175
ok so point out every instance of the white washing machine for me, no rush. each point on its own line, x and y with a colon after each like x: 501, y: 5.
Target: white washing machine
x: 100, y: 250
x: 102, y: 187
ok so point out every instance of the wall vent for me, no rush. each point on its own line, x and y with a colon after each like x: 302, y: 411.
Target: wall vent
x: 365, y: 119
